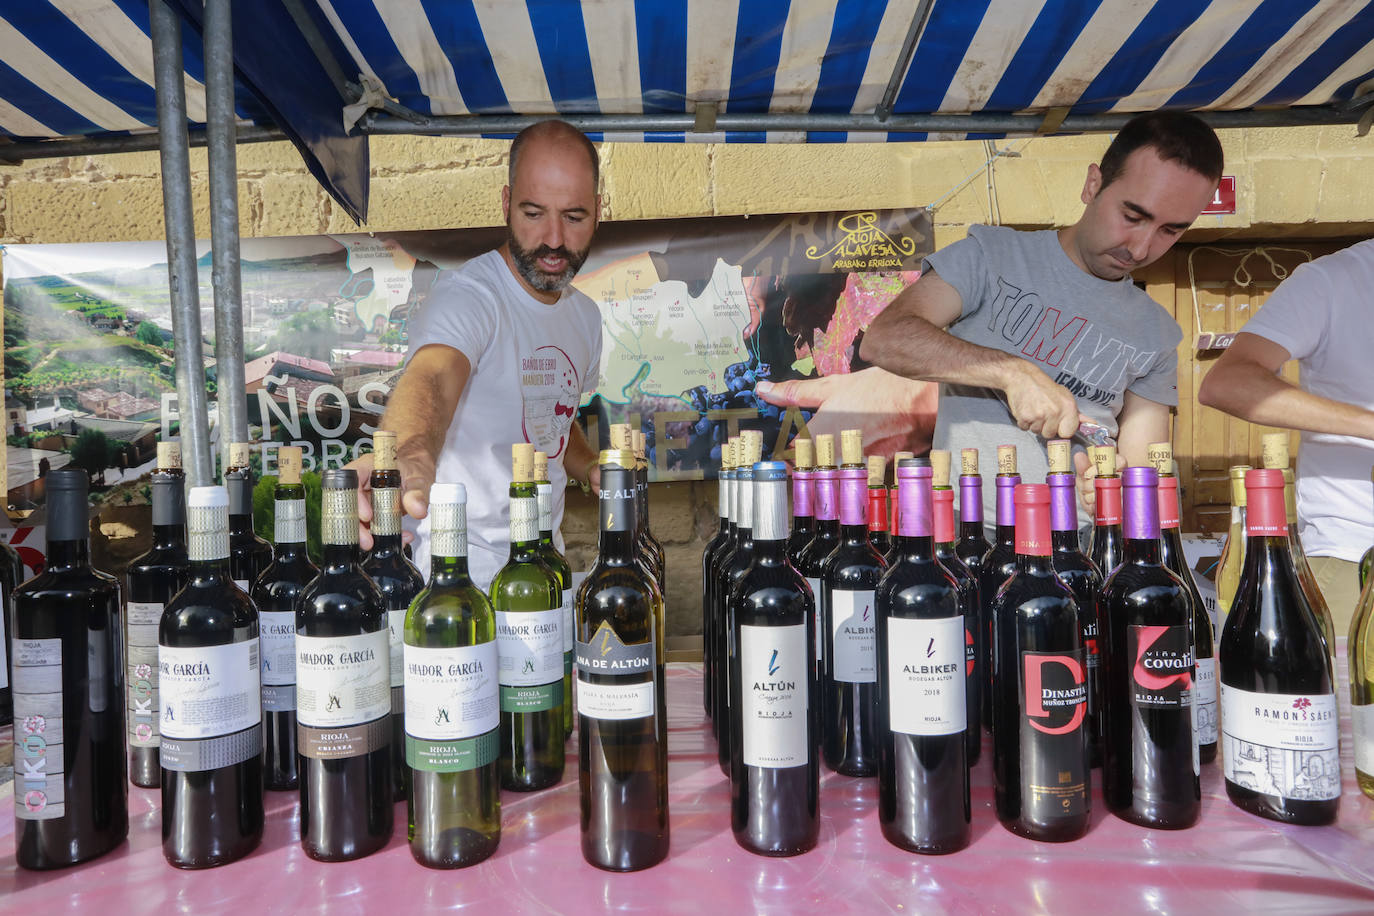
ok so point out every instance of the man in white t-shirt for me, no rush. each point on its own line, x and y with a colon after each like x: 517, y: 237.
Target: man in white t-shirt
x: 501, y: 351
x: 1319, y: 316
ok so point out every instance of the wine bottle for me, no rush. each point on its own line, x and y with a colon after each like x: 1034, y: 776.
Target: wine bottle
x: 275, y: 593
x: 1274, y: 454
x: 1233, y: 548
x: 149, y: 583
x: 1278, y: 702
x: 622, y: 706
x: 923, y: 779
x: 248, y: 553
x: 751, y: 447
x: 825, y: 483
x: 452, y: 702
x: 1083, y: 579
x: 399, y: 582
x: 622, y: 439
x: 877, y: 505
x: 708, y: 560
x: 998, y: 565
x: 528, y: 599
x: 207, y: 651
x: 803, y: 501
x: 1204, y: 639
x: 1150, y: 775
x: 892, y: 501
x: 648, y: 543
x: 11, y: 574
x: 972, y: 545
x: 849, y: 673
x: 548, y: 551
x: 343, y: 692
x: 1039, y: 737
x: 715, y: 637
x: 942, y: 496
x: 774, y: 772
x: 1360, y: 654
x: 1106, y: 544
x: 70, y: 795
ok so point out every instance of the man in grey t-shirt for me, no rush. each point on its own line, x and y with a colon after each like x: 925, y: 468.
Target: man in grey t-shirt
x: 1031, y: 332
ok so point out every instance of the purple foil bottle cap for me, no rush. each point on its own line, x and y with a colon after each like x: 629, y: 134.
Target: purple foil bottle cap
x: 802, y: 494
x: 1006, y: 499
x: 970, y: 498
x: 854, y: 496
x: 1141, y: 503
x: 915, y: 501
x: 1063, y: 501
x: 826, y: 490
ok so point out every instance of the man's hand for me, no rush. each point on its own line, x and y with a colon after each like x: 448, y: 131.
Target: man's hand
x: 894, y: 413
x: 1038, y: 404
x: 414, y: 498
x: 1087, y: 490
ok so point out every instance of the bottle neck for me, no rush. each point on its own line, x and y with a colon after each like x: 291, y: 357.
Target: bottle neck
x: 241, y: 524
x: 524, y: 519
x: 1006, y: 500
x: 919, y: 548
x: 618, y: 508
x: 1141, y: 551
x: 1107, y: 513
x: 449, y: 571
x: 1034, y: 564
x: 384, y: 545
x: 65, y: 555
x: 335, y: 556
x: 970, y: 501
x: 208, y: 570
x: 168, y: 536
x: 1065, y: 541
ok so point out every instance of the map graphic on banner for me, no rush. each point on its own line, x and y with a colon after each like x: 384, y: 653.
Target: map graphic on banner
x: 695, y: 314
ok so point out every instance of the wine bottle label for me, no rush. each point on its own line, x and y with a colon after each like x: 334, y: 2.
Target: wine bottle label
x: 925, y: 668
x: 452, y: 715
x: 140, y: 674
x: 615, y: 702
x: 1280, y: 743
x: 395, y: 635
x: 615, y: 681
x: 277, y: 643
x: 342, y: 680
x: 1362, y: 731
x: 773, y: 710
x: 1205, y: 700
x: 818, y: 618
x: 606, y: 656
x: 1162, y: 676
x: 39, y: 761
x: 530, y: 645
x: 211, y: 708
x: 1054, y: 760
x: 854, y: 644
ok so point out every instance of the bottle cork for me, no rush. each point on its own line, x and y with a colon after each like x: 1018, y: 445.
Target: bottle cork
x: 168, y: 455
x: 968, y: 461
x: 637, y: 443
x: 1161, y: 456
x: 522, y: 462
x: 877, y: 470
x: 620, y: 436
x: 289, y: 465
x: 727, y: 455
x: 806, y: 456
x: 851, y: 446
x: 752, y: 440
x: 825, y: 451
x: 939, y: 467
x: 239, y: 453
x: 1274, y: 450
x: 541, y: 467
x: 1104, y: 460
x: 1061, y: 456
x: 898, y: 456
x: 383, y: 450
x: 1006, y: 459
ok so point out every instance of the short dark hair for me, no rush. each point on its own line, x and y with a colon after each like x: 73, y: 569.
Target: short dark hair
x: 1176, y: 136
x: 554, y: 128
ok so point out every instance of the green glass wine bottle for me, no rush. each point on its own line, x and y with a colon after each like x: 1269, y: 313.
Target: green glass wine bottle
x: 529, y: 637
x: 548, y: 552
x: 452, y: 715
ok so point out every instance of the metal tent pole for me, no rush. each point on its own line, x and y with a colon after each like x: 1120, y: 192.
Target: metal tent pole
x: 181, y: 242
x: 224, y: 224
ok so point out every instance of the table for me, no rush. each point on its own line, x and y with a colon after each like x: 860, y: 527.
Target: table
x: 1229, y: 862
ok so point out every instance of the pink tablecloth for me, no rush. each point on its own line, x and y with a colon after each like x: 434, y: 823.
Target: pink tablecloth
x: 1230, y: 862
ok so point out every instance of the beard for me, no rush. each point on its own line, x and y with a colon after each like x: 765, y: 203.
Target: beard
x: 527, y: 263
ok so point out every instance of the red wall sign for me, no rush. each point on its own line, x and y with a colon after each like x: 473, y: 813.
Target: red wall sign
x: 1224, y: 200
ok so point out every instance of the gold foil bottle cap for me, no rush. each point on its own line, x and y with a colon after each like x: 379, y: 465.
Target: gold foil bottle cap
x: 620, y: 436
x: 1274, y: 450
x: 1006, y: 459
x: 968, y: 461
x: 168, y: 455
x: 1060, y: 453
x: 1104, y: 460
x: 825, y: 451
x: 1161, y: 456
x: 541, y: 466
x: 620, y: 457
x: 752, y: 440
x: 939, y: 467
x: 727, y: 455
x: 239, y: 454
x: 522, y: 462
x: 1238, y: 484
x: 806, y: 454
x: 1237, y: 471
x: 877, y: 470
x: 383, y: 450
x: 637, y: 443
x: 289, y: 465
x: 851, y: 446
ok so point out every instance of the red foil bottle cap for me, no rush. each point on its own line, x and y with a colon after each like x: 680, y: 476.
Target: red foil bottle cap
x: 1033, y: 519
x: 1108, y: 510
x: 1168, y: 502
x: 1265, y: 515
x: 944, y: 515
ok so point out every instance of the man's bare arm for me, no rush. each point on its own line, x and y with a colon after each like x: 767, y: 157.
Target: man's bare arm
x: 1244, y: 384
x: 908, y: 338
x: 1141, y: 422
x: 419, y: 411
x: 580, y: 459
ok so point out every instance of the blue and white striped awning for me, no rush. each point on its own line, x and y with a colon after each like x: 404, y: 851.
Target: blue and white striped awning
x: 674, y: 70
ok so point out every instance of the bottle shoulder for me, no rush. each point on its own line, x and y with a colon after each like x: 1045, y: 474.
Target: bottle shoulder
x: 69, y: 585
x: 439, y: 606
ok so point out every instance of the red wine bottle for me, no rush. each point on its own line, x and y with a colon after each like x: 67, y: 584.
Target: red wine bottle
x: 997, y: 566
x: 716, y: 592
x: 1279, y: 732
x: 751, y: 445
x: 973, y: 544
x: 923, y: 781
x: 942, y: 496
x: 774, y: 772
x: 210, y: 696
x: 1039, y: 735
x: 849, y: 673
x: 877, y: 505
x: 708, y: 560
x: 1150, y: 775
x: 1204, y: 641
x: 803, y: 502
x: 1081, y: 576
x: 11, y: 574
x: 1106, y: 546
x: 70, y: 794
x: 825, y: 482
x: 248, y: 553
